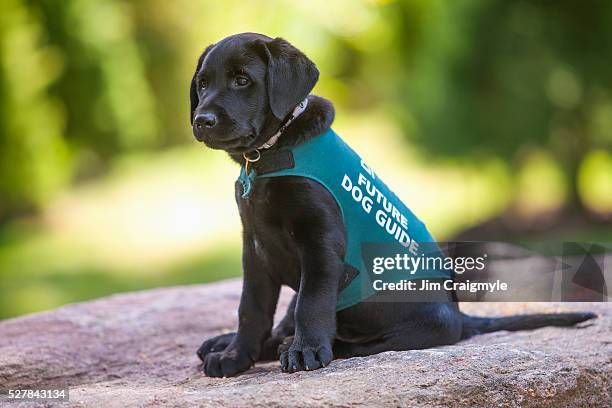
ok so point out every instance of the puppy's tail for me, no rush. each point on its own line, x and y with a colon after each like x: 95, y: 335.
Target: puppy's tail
x: 477, y: 325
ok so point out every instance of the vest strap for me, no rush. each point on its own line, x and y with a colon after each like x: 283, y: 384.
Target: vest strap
x: 349, y: 274
x: 274, y: 161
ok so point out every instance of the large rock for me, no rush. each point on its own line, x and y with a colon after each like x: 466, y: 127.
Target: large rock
x: 138, y: 349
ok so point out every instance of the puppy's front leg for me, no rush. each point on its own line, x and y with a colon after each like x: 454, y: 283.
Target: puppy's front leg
x: 315, y: 311
x: 255, y: 319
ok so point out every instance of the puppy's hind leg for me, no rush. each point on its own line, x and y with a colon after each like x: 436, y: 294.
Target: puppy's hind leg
x: 409, y: 338
x: 431, y: 331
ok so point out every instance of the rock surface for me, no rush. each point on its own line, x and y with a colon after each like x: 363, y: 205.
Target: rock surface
x: 138, y: 350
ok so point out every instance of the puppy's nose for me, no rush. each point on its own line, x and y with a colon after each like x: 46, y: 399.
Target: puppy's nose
x: 206, y: 119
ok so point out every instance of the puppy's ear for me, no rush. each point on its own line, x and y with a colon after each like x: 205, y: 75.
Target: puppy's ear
x: 193, y: 89
x: 291, y: 76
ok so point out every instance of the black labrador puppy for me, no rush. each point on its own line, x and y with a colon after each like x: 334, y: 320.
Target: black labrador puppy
x: 245, y: 87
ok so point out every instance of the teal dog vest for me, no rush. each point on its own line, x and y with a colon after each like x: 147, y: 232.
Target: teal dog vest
x: 375, y: 219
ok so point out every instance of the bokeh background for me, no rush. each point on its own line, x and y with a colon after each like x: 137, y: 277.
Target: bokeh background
x: 490, y: 118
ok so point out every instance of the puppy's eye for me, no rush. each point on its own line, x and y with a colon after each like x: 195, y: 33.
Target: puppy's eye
x: 242, y: 80
x: 203, y: 84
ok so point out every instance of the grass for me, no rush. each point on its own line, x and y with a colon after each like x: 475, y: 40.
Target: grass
x: 41, y: 275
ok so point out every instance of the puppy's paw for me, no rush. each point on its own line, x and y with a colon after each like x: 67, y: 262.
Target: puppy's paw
x: 299, y: 358
x: 226, y: 363
x: 218, y: 343
x: 284, y: 345
x: 272, y: 348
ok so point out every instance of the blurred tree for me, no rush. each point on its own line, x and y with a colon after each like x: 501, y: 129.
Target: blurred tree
x: 73, y: 92
x: 84, y: 80
x: 108, y: 102
x: 34, y: 158
x: 499, y: 77
x: 164, y: 32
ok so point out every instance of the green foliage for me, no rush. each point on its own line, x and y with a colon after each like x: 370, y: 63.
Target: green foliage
x: 33, y: 154
x: 84, y: 80
x: 495, y: 94
x: 109, y: 105
x: 74, y: 91
x: 501, y: 77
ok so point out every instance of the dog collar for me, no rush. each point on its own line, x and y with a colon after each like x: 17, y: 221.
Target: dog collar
x: 247, y: 176
x: 296, y: 112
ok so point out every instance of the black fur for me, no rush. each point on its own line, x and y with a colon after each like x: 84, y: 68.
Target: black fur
x: 293, y: 233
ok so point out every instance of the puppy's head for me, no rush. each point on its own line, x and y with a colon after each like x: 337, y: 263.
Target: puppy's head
x: 244, y: 87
